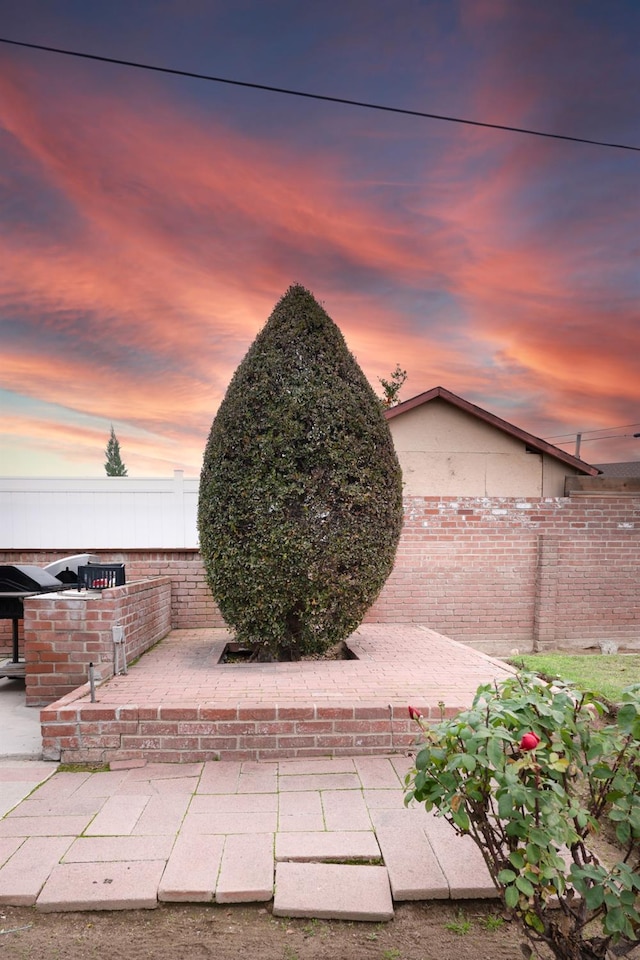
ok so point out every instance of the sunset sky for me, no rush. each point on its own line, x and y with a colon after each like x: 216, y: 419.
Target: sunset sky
x: 150, y: 222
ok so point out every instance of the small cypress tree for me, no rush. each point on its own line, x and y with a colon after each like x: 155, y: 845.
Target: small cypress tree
x: 300, y: 506
x: 114, y: 466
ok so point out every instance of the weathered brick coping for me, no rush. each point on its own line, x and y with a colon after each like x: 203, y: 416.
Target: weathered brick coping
x: 177, y: 704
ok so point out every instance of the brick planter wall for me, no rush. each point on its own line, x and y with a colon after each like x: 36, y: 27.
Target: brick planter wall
x: 500, y: 574
x: 90, y: 733
x: 62, y: 636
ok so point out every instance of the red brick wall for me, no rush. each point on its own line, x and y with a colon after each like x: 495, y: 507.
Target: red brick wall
x: 90, y: 733
x: 63, y: 636
x: 504, y: 574
x: 500, y: 574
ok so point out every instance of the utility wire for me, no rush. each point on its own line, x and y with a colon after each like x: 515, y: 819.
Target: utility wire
x: 318, y: 96
x: 622, y: 426
x: 609, y: 436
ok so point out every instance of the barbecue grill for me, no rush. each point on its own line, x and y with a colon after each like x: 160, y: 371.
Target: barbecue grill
x: 28, y: 580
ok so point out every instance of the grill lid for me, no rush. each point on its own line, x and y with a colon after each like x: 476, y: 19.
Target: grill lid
x: 27, y: 578
x: 66, y: 569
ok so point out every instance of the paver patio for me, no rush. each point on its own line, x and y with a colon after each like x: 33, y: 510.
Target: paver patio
x: 351, y: 853
x: 290, y: 780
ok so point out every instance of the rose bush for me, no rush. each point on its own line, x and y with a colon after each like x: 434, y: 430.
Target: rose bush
x: 529, y: 775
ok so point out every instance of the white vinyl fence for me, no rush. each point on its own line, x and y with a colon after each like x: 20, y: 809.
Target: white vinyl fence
x: 92, y: 513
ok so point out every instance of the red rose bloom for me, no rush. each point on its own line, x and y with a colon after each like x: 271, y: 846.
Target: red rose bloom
x: 529, y: 741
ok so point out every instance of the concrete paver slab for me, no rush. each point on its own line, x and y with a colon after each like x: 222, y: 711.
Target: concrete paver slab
x: 101, y: 784
x: 43, y: 826
x: 118, y: 816
x: 414, y: 871
x: 321, y: 765
x: 258, y: 778
x: 127, y: 764
x: 234, y: 803
x: 345, y: 810
x: 384, y: 799
x: 332, y: 891
x: 11, y: 794
x: 23, y: 875
x: 71, y: 807
x: 327, y: 845
x: 192, y: 870
x: 204, y: 824
x: 178, y: 786
x: 131, y: 885
x: 13, y: 768
x: 403, y: 765
x: 162, y: 815
x: 220, y: 776
x: 320, y: 781
x: 164, y: 771
x: 8, y: 846
x: 61, y: 786
x: 377, y: 773
x: 246, y: 871
x: 460, y: 860
x: 300, y: 811
x: 106, y: 849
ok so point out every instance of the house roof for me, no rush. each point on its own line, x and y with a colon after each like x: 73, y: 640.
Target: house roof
x: 533, y: 443
x: 627, y: 468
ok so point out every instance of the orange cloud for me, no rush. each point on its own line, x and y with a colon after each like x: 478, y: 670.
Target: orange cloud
x: 156, y: 244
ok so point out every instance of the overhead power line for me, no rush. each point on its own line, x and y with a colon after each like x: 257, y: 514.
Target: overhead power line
x: 318, y: 96
x: 609, y: 436
x: 622, y: 426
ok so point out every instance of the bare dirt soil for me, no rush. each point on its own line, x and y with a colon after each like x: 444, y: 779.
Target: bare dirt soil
x: 420, y: 931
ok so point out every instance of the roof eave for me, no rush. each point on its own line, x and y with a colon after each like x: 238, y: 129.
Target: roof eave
x: 534, y: 443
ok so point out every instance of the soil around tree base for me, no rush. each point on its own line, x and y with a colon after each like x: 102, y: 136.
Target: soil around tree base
x: 437, y: 930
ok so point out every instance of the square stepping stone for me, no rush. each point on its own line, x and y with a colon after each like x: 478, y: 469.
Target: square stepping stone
x: 331, y: 891
x: 300, y: 812
x: 345, y: 810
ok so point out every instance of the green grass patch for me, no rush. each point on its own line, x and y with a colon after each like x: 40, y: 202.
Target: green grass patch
x: 82, y: 768
x: 460, y: 926
x: 606, y: 675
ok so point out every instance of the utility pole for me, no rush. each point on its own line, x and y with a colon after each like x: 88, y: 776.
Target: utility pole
x: 578, y: 442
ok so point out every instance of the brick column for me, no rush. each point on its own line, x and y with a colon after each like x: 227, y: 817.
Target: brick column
x: 544, y: 616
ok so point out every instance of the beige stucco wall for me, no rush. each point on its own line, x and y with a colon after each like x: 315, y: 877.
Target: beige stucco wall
x: 445, y: 451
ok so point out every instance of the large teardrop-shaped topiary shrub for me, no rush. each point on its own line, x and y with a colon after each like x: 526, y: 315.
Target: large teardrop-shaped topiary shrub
x: 300, y: 506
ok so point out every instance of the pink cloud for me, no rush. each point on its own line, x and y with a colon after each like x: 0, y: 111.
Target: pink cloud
x: 186, y: 234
